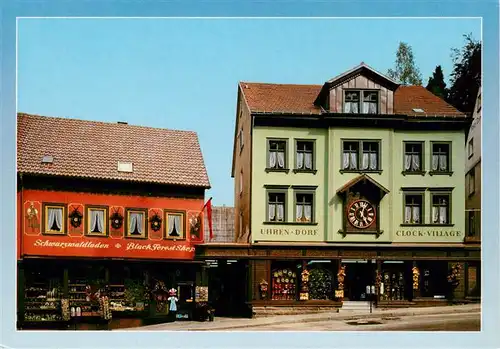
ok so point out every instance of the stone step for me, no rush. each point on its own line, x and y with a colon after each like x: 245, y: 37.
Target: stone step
x: 273, y: 311
x: 355, y: 306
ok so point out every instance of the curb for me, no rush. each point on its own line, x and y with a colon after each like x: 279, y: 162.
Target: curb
x: 338, y: 317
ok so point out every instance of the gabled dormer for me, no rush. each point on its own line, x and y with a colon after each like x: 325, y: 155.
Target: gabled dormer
x: 361, y: 90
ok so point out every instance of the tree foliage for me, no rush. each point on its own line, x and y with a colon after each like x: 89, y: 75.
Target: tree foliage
x: 436, y: 83
x: 466, y: 75
x: 405, y: 70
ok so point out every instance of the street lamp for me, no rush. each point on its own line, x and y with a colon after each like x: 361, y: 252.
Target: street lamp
x: 370, y: 292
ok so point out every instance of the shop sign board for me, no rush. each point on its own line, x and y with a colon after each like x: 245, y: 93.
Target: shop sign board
x: 69, y: 246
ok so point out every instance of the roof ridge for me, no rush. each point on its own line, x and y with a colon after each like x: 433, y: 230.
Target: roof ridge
x: 280, y: 84
x: 103, y: 122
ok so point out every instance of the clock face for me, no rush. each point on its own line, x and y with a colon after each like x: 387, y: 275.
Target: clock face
x: 361, y: 214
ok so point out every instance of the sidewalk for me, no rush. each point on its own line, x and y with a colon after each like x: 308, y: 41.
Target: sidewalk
x: 224, y: 324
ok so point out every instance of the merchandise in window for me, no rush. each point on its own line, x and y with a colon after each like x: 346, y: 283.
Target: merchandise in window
x: 284, y: 284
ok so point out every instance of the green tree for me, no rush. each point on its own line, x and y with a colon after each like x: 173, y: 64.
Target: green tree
x: 405, y: 70
x: 466, y: 75
x: 436, y: 83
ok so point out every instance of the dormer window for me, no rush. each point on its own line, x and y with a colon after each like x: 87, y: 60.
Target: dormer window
x: 352, y: 102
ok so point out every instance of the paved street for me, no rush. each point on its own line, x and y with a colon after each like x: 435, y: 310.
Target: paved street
x: 440, y: 322
x: 450, y: 318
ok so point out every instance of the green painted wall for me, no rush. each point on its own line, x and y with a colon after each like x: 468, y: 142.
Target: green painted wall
x: 288, y: 232
x: 337, y: 180
x: 328, y: 205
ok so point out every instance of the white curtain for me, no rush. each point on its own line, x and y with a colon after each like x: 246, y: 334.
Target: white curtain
x: 281, y: 212
x: 171, y: 224
x: 300, y: 160
x: 272, y: 159
x: 354, y: 107
x: 416, y: 214
x: 132, y: 223
x: 308, y: 161
x: 354, y: 161
x: 347, y: 107
x: 178, y: 225
x: 365, y: 160
x: 415, y: 162
x: 443, y: 163
x: 281, y: 159
x: 373, y: 161
x: 443, y: 215
x: 97, y: 220
x: 435, y: 214
x: 407, y: 162
x: 299, y: 212
x: 52, y: 216
x: 139, y: 222
x: 435, y: 162
x: 55, y: 217
x: 407, y: 214
x: 345, y: 161
x: 272, y: 212
x: 307, y: 212
x: 370, y: 107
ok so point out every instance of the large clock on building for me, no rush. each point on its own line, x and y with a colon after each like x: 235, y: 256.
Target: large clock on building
x: 361, y: 214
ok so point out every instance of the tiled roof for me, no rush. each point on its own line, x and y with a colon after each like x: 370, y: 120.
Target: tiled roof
x: 299, y: 99
x: 281, y: 98
x: 406, y: 98
x: 93, y: 149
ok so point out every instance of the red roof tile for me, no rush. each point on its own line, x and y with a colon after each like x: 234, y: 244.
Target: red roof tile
x: 406, y: 98
x: 281, y: 98
x: 300, y: 98
x: 93, y: 149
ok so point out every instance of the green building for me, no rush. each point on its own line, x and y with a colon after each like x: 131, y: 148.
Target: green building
x: 357, y: 182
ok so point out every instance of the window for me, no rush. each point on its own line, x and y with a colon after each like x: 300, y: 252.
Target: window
x: 276, y: 207
x: 54, y: 219
x: 352, y: 102
x: 471, y: 223
x: 441, y: 208
x: 305, y: 155
x: 413, y: 157
x: 472, y: 181
x: 97, y: 217
x: 241, y: 182
x: 304, y: 207
x: 360, y: 155
x: 413, y: 208
x: 370, y: 102
x: 240, y: 136
x: 174, y: 225
x: 241, y: 224
x: 470, y: 148
x: 136, y: 223
x: 441, y: 157
x: 284, y: 281
x: 277, y: 155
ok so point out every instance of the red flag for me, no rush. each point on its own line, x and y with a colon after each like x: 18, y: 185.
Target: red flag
x: 209, y: 216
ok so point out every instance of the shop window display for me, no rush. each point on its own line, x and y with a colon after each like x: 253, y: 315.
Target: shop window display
x: 43, y: 295
x: 393, y: 282
x: 320, y: 284
x: 284, y: 283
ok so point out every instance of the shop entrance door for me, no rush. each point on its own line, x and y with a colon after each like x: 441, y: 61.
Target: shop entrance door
x: 359, y: 274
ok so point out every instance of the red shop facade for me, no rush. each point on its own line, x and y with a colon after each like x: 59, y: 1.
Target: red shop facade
x: 108, y: 219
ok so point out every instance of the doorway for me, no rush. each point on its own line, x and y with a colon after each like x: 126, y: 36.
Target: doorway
x: 359, y: 274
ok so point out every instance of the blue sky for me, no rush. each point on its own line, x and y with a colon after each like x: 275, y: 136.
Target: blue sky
x: 183, y: 73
